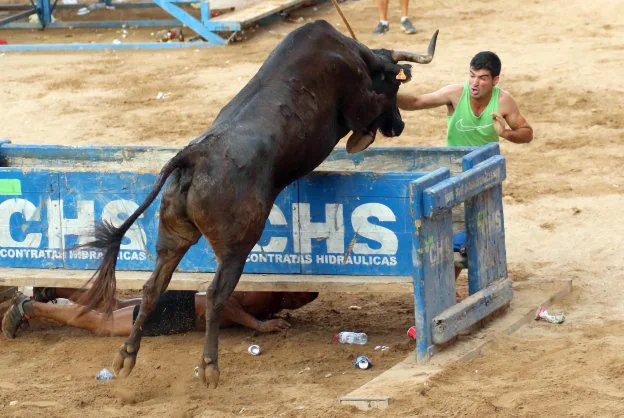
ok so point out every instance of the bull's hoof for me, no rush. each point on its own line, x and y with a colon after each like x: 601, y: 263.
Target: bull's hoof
x: 124, y: 361
x: 359, y: 142
x: 209, y: 373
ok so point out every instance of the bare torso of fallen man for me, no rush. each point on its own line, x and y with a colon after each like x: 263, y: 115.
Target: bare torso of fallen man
x: 176, y: 312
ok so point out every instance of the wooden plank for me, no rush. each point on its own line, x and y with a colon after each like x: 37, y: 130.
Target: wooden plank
x: 200, y: 281
x: 485, y: 245
x: 94, y: 24
x: 366, y: 403
x: 468, y: 161
x: 104, y: 46
x: 151, y: 159
x: 443, y: 196
x: 485, y: 231
x: 248, y: 15
x: 16, y: 16
x: 479, y: 155
x: 471, y: 310
x: 116, y: 4
x: 390, y: 385
x: 432, y: 252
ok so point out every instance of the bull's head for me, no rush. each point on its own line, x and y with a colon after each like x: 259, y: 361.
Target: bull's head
x: 386, y: 81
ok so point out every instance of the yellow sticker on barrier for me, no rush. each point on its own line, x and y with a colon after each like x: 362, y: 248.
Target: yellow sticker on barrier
x: 10, y: 187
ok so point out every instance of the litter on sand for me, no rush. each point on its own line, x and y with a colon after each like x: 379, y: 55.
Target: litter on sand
x: 543, y: 314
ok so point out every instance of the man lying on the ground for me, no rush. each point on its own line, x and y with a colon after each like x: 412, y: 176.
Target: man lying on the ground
x: 176, y: 311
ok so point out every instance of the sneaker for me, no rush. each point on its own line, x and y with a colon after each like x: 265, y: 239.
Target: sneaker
x: 19, y: 313
x: 381, y: 28
x: 407, y: 26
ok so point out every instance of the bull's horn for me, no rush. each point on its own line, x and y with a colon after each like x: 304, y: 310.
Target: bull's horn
x: 359, y: 142
x: 417, y: 58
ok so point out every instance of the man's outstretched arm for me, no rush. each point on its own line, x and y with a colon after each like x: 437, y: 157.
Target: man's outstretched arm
x: 429, y: 100
x: 234, y: 312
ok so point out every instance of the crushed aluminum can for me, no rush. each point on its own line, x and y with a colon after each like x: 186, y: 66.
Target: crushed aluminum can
x: 33, y: 19
x: 542, y: 313
x: 104, y: 374
x: 254, y: 350
x: 411, y: 332
x: 363, y: 363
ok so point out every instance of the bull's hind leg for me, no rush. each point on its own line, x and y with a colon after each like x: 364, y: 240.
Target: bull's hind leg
x: 232, y: 242
x: 225, y: 280
x: 175, y: 236
x: 229, y: 204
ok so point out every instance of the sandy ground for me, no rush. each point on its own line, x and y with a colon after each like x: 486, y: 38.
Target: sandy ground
x: 562, y: 60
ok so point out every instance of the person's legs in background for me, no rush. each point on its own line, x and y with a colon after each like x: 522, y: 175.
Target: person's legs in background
x: 406, y: 23
x: 383, y: 25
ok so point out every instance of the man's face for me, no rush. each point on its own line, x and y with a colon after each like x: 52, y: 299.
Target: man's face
x: 481, y: 83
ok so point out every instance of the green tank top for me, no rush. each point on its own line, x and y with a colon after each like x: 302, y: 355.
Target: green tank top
x: 465, y: 129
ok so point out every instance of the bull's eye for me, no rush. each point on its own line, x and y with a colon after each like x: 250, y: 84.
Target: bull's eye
x: 383, y: 76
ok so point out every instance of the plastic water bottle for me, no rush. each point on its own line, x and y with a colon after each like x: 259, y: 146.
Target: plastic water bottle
x: 104, y: 374
x: 347, y: 337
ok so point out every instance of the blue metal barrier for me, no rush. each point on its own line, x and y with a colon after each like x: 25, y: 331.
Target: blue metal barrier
x: 383, y: 212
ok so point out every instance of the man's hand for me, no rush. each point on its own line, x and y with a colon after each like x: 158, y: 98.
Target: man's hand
x: 499, y: 124
x: 273, y: 325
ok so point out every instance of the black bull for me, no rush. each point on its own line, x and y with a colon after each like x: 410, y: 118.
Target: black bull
x: 314, y: 88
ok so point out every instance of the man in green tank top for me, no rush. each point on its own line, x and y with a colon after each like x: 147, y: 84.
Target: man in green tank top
x: 478, y: 111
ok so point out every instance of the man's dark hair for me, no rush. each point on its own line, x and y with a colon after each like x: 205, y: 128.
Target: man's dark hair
x: 486, y: 60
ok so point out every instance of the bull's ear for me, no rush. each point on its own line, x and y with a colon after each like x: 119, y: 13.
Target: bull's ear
x: 401, y: 73
x: 405, y: 73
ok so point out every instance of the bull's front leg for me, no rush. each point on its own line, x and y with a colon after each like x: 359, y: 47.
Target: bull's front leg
x: 359, y: 141
x: 360, y: 112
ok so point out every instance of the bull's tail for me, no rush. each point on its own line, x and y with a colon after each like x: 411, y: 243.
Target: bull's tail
x: 108, y: 239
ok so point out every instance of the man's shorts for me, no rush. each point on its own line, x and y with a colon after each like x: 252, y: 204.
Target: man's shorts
x: 174, y: 313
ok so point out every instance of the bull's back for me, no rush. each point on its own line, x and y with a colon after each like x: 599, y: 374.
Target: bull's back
x: 293, y: 102
x: 304, y: 73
